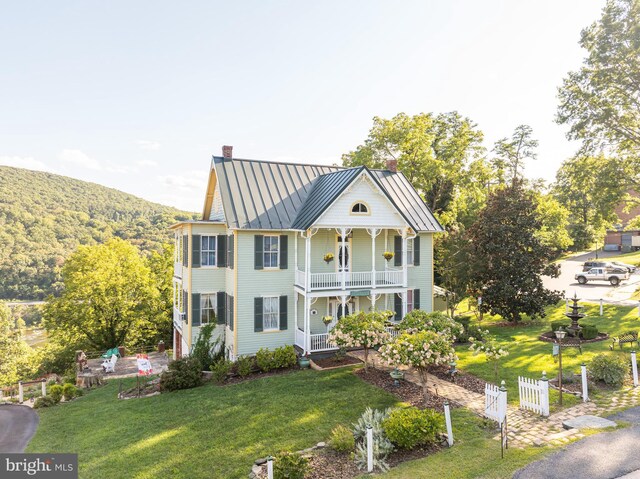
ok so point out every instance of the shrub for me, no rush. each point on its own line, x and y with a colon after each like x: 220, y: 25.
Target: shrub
x: 244, y: 366
x: 382, y: 447
x: 285, y: 357
x: 183, y: 373
x: 289, y: 465
x: 221, y: 369
x: 204, y: 350
x: 56, y: 392
x: 589, y: 331
x: 69, y: 392
x: 609, y: 368
x: 265, y: 360
x: 342, y: 439
x: 44, y: 401
x: 465, y: 321
x: 557, y: 325
x: 472, y: 331
x: 411, y: 427
x: 373, y: 418
x: 438, y: 322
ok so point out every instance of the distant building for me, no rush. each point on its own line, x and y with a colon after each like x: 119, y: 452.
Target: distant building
x: 618, y: 239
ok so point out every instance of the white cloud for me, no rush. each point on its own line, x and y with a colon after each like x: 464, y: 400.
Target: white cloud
x: 24, y: 162
x: 79, y: 158
x: 187, y: 182
x: 146, y: 163
x: 148, y: 145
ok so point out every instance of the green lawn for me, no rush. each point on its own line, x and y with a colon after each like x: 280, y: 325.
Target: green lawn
x: 206, y: 432
x: 473, y: 455
x: 530, y: 357
x: 629, y: 258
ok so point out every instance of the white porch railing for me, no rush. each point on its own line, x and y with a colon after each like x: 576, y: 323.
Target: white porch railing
x: 352, y: 279
x: 300, y: 338
x: 392, y: 331
x: 320, y: 342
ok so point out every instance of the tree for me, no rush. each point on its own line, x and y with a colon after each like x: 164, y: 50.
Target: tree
x: 361, y: 330
x: 441, y: 155
x: 15, y: 354
x: 511, y: 154
x: 590, y: 188
x: 554, y: 219
x: 492, y: 351
x: 601, y: 101
x: 437, y: 322
x: 510, y: 257
x: 160, y: 265
x: 420, y: 350
x: 107, y: 300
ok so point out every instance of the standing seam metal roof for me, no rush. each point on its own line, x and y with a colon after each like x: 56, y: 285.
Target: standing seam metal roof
x: 277, y: 196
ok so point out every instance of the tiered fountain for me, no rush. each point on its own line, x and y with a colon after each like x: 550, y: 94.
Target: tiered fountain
x: 575, y: 315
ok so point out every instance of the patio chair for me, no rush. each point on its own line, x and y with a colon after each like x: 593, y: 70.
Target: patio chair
x: 109, y: 365
x: 111, y: 352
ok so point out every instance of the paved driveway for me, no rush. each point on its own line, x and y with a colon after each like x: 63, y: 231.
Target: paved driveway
x: 17, y: 426
x: 603, y: 456
x: 592, y: 291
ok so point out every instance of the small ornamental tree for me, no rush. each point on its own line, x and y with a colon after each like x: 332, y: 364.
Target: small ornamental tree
x: 361, y: 330
x: 420, y: 350
x: 492, y: 351
x: 438, y: 322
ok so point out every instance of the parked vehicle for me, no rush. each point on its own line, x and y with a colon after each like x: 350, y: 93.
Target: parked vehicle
x: 629, y: 267
x: 596, y: 264
x: 601, y: 274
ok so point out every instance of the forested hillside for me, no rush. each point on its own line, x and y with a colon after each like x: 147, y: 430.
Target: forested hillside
x: 44, y: 217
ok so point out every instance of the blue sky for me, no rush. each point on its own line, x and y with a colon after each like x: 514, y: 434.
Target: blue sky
x: 139, y: 95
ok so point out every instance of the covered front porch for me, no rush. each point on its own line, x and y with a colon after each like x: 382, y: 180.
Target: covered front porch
x: 312, y: 330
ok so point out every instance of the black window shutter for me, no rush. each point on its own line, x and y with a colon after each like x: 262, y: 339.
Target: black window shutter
x: 397, y: 306
x: 221, y: 252
x: 416, y: 299
x: 397, y: 250
x: 220, y: 307
x: 283, y: 312
x: 185, y: 250
x: 284, y: 251
x: 185, y: 301
x: 230, y: 251
x: 258, y: 249
x: 195, y: 255
x: 195, y: 309
x: 416, y: 251
x: 257, y: 315
x: 230, y: 312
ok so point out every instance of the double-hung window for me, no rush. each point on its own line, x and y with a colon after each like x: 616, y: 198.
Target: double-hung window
x: 208, y: 303
x: 271, y: 251
x: 409, y: 301
x: 271, y: 313
x: 410, y: 251
x: 208, y: 250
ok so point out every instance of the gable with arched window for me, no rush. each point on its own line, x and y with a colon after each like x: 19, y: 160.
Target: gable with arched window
x: 360, y: 208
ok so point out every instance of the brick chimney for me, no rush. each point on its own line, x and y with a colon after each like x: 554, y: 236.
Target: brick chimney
x: 227, y: 152
x: 392, y: 166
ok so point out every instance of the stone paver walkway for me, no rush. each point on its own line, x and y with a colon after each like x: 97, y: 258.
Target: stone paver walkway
x: 524, y: 427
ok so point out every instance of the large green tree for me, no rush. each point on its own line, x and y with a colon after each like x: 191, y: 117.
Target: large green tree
x: 600, y: 102
x: 510, y: 258
x: 512, y: 153
x: 108, y: 298
x: 441, y: 155
x: 15, y: 354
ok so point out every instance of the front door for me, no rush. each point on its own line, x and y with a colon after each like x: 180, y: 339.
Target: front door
x: 343, y: 254
x: 335, y: 310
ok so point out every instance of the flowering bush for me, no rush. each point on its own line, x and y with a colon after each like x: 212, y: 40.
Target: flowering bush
x: 492, y: 351
x: 420, y: 350
x: 361, y: 330
x: 418, y: 320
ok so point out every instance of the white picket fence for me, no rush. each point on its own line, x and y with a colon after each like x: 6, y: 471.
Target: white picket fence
x: 495, y: 402
x: 534, y: 395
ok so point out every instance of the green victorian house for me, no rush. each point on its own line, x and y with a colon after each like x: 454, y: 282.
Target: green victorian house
x: 284, y: 250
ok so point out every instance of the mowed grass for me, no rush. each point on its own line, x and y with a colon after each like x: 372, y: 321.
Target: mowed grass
x: 530, y: 357
x: 206, y: 432
x: 474, y: 454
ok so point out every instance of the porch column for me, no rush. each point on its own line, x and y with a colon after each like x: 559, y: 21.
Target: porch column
x: 295, y: 312
x: 343, y: 234
x: 307, y: 261
x: 404, y: 304
x: 374, y: 297
x: 404, y: 258
x: 373, y: 232
x: 295, y: 255
x: 307, y: 329
x: 343, y: 300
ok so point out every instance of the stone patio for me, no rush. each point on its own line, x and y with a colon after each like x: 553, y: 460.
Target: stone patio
x: 127, y: 367
x: 524, y: 427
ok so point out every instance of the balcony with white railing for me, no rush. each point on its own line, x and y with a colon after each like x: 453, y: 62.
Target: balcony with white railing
x: 351, y: 279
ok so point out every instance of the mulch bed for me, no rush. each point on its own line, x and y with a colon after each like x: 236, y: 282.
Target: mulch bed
x: 328, y: 464
x: 334, y: 361
x: 406, y: 391
x: 465, y: 380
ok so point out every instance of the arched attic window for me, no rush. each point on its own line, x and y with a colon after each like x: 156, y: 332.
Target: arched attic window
x: 360, y: 208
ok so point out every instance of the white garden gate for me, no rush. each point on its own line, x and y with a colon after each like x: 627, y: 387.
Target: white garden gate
x: 495, y: 402
x: 534, y: 395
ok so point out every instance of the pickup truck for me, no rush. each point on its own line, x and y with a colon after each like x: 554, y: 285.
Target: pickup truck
x: 601, y: 274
